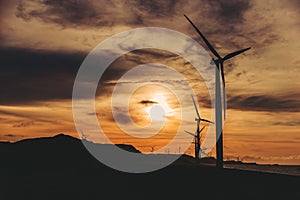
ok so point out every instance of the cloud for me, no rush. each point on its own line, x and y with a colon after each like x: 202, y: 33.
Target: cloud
x: 288, y: 123
x: 28, y: 76
x: 229, y: 11
x: 25, y: 116
x: 21, y: 11
x: 99, y: 13
x: 264, y: 103
x: 93, y: 113
x: 23, y: 124
x: 93, y: 13
x: 13, y: 114
x: 147, y: 102
x: 67, y: 12
x: 12, y: 135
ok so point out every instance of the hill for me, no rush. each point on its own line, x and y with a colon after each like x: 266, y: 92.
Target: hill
x: 61, y: 168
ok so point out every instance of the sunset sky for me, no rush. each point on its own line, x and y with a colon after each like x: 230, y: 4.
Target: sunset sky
x: 44, y: 42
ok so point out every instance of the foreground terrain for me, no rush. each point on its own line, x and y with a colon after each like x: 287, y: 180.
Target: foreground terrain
x: 61, y: 168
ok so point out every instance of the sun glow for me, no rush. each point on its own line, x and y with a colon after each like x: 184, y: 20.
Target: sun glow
x: 160, y: 110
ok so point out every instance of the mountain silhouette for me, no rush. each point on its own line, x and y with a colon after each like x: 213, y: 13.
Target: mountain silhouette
x: 60, y: 167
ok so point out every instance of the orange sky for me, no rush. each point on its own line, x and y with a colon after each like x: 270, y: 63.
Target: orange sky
x: 43, y: 44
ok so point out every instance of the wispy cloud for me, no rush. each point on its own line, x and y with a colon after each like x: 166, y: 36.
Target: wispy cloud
x: 264, y: 103
x: 23, y: 124
x: 13, y: 135
x: 147, y: 102
x: 289, y: 123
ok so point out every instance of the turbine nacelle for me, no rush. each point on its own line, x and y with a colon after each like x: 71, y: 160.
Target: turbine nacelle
x: 216, y: 61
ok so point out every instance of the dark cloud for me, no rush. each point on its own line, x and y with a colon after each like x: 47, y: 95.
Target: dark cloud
x: 155, y: 8
x: 222, y: 21
x: 229, y: 12
x: 226, y: 26
x: 296, y: 5
x: 21, y: 11
x: 28, y: 76
x: 31, y: 76
x: 147, y: 102
x: 264, y: 103
x: 96, y: 13
x: 221, y: 18
x: 4, y: 7
x: 67, y: 12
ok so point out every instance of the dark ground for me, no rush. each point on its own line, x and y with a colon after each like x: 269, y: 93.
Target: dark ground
x: 61, y: 168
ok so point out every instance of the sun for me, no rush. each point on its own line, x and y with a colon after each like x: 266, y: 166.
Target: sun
x: 160, y: 110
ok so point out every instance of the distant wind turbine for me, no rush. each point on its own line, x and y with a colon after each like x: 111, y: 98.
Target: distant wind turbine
x: 197, y: 142
x: 83, y: 136
x: 219, y: 63
x: 197, y: 135
x: 198, y: 114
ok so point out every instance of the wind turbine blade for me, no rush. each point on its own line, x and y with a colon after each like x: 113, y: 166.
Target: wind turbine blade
x: 230, y: 55
x: 223, y: 79
x: 223, y: 92
x: 223, y: 76
x: 211, y: 48
x: 205, y: 120
x: 196, y: 107
x: 202, y: 129
x: 190, y: 133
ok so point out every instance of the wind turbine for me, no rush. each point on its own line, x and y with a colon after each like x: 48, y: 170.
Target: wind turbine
x: 83, y: 136
x: 197, y: 139
x: 197, y: 135
x: 218, y: 107
x: 198, y: 115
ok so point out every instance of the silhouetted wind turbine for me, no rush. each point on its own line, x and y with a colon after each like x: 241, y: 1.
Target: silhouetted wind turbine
x: 198, y: 131
x: 197, y: 142
x: 219, y: 59
x: 219, y: 63
x: 198, y: 114
x: 83, y: 136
